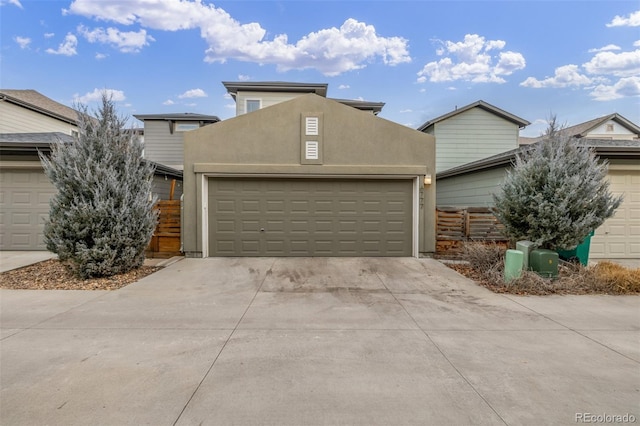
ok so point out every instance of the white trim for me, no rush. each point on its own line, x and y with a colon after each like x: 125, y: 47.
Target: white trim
x: 205, y: 216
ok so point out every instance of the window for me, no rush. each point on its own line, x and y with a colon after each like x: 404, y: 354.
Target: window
x: 252, y: 105
x: 185, y: 127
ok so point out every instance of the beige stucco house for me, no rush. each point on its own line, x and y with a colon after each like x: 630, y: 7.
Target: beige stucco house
x: 307, y: 176
x: 473, y: 132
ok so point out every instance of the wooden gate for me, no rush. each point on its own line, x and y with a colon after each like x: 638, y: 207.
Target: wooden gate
x: 166, y: 238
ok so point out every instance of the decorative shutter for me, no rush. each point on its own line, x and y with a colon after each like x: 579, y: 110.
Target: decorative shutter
x: 311, y: 150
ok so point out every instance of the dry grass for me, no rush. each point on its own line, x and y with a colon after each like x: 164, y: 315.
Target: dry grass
x: 486, y: 266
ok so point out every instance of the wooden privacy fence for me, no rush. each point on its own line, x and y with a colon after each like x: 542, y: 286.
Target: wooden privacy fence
x: 166, y: 238
x: 456, y: 225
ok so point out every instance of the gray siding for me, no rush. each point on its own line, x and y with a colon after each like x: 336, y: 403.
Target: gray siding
x: 160, y: 145
x: 162, y: 187
x: 470, y: 190
x: 472, y: 135
x: 16, y: 119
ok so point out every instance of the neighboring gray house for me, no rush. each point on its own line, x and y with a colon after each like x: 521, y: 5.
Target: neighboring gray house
x: 307, y: 176
x: 163, y: 142
x: 473, y: 132
x: 31, y: 122
x: 472, y: 185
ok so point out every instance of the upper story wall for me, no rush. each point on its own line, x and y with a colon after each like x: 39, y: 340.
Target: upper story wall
x: 160, y: 145
x: 472, y: 135
x: 266, y: 99
x: 17, y: 119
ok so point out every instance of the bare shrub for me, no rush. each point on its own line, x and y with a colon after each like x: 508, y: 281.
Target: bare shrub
x: 486, y: 266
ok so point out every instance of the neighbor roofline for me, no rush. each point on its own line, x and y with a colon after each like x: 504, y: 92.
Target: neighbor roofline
x: 233, y: 87
x: 508, y: 157
x: 185, y: 116
x: 8, y: 98
x: 521, y: 122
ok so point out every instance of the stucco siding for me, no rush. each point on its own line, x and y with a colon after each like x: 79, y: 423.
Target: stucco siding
x: 160, y: 145
x: 268, y: 143
x: 472, y: 135
x: 16, y: 119
x: 471, y: 190
x: 267, y: 99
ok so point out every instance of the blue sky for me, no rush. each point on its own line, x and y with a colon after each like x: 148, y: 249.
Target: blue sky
x: 577, y: 59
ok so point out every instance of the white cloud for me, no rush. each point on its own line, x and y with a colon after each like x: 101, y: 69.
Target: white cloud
x: 344, y: 86
x: 606, y: 48
x: 227, y: 96
x: 193, y: 93
x: 125, y: 41
x: 331, y: 51
x: 472, y: 60
x: 100, y: 56
x: 13, y: 2
x: 565, y: 76
x: 67, y: 47
x: 633, y: 20
x: 636, y: 43
x: 242, y: 77
x: 23, y: 42
x: 168, y: 102
x: 404, y: 111
x: 624, y: 64
x: 49, y: 35
x: 96, y: 95
x: 625, y: 87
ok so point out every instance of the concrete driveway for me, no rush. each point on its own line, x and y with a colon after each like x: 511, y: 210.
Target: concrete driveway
x: 315, y: 341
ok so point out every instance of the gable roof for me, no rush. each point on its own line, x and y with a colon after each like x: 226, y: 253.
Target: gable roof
x: 581, y: 130
x: 184, y: 116
x: 36, y: 101
x: 233, y: 87
x: 521, y: 122
x: 376, y: 107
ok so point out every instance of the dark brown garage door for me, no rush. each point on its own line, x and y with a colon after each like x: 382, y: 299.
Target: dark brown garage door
x: 310, y: 217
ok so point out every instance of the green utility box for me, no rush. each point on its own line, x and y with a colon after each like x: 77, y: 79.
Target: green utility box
x: 581, y: 252
x: 525, y: 247
x: 513, y: 261
x: 544, y: 262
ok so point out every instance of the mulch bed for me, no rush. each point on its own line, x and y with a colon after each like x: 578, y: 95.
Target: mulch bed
x: 53, y: 275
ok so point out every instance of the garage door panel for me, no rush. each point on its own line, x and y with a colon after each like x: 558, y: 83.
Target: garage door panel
x: 312, y: 217
x: 617, y: 237
x: 24, y: 200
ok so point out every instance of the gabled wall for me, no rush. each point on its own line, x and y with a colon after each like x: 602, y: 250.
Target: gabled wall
x: 616, y: 131
x: 268, y: 142
x: 472, y: 135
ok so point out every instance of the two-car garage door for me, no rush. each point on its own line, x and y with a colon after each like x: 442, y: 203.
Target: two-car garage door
x: 310, y: 217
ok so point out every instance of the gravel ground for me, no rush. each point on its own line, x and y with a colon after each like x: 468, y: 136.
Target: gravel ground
x: 52, y: 275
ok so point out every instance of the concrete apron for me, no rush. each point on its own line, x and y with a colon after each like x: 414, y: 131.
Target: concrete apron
x: 314, y: 341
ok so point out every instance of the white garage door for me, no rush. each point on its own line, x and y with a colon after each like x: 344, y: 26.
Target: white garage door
x: 24, y: 205
x: 619, y: 236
